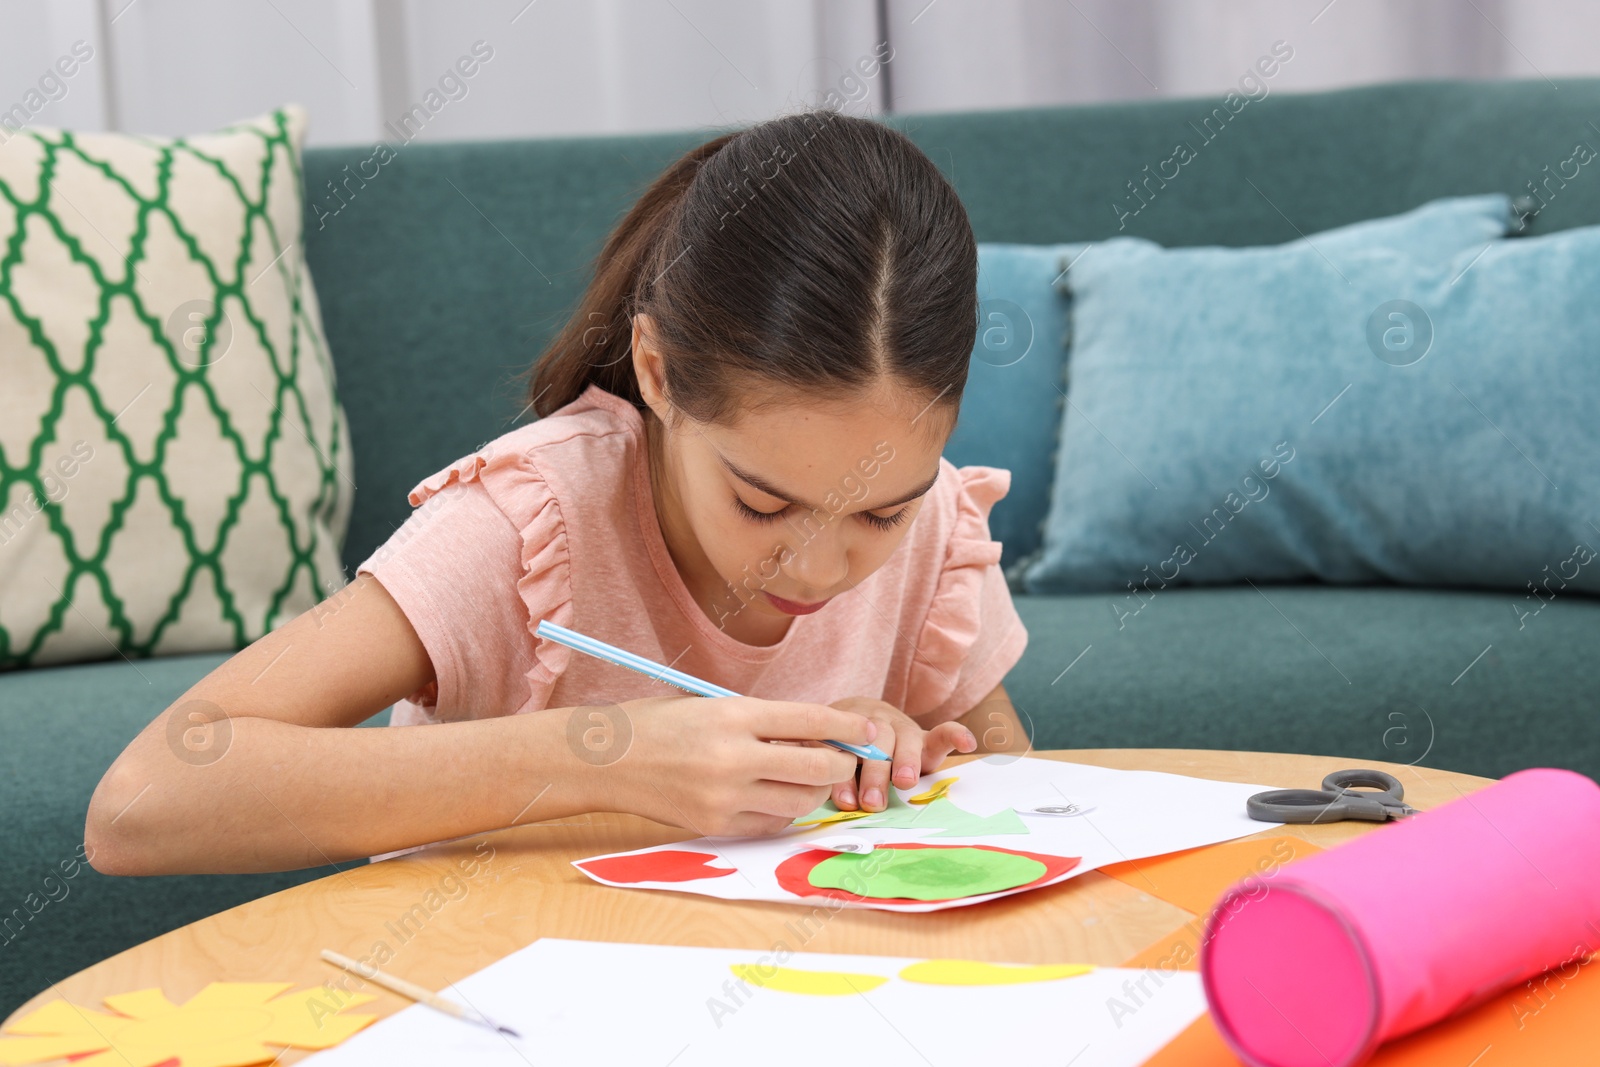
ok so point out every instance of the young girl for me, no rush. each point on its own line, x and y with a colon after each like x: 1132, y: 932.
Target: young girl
x: 737, y: 472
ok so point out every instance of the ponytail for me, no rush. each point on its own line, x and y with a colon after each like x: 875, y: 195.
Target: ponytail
x: 596, y: 345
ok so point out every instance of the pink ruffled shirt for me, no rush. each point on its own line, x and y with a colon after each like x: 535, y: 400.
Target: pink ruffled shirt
x: 555, y: 520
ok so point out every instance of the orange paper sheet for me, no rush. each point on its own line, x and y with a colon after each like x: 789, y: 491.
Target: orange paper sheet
x: 1195, y: 878
x: 1550, y: 1020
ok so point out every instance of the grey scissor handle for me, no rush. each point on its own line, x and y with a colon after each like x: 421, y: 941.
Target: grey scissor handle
x: 1337, y: 799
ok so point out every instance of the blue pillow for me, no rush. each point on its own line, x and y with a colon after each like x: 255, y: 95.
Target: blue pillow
x: 1011, y: 409
x: 1332, y: 411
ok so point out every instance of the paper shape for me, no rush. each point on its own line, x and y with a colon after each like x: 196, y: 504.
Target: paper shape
x: 668, y: 865
x: 935, y: 813
x: 928, y: 874
x: 938, y: 790
x: 1194, y: 878
x: 811, y: 983
x: 1132, y: 815
x: 976, y: 972
x: 824, y: 816
x: 226, y: 1024
x: 601, y: 1002
x: 925, y: 878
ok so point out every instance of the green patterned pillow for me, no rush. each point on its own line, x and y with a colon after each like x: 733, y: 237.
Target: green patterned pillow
x: 174, y: 463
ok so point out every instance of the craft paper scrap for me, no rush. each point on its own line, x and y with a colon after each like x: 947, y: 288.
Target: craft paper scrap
x: 975, y: 972
x: 963, y: 843
x: 226, y: 1024
x: 605, y: 1002
x: 939, y: 789
x: 936, y: 814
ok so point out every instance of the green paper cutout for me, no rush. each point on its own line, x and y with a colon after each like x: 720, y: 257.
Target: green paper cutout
x: 943, y: 813
x: 926, y: 873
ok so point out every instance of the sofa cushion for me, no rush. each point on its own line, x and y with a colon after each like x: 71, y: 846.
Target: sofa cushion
x: 1330, y: 409
x: 1011, y: 408
x: 175, y: 471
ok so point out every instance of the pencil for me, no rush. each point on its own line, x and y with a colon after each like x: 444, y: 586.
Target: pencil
x: 597, y: 648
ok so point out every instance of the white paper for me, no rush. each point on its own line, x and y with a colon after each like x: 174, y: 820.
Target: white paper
x: 1130, y: 815
x: 581, y: 1002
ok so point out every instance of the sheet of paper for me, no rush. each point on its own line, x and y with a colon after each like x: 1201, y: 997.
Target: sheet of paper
x: 999, y: 829
x: 604, y: 1002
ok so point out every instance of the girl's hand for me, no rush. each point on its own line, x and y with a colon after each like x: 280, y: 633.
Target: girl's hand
x: 708, y: 764
x: 913, y: 751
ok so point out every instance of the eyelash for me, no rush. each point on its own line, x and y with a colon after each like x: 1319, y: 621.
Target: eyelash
x: 880, y: 521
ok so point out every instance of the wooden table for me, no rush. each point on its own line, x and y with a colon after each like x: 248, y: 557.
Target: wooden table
x: 442, y: 926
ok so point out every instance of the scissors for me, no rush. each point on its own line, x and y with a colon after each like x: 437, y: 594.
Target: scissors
x: 1336, y: 800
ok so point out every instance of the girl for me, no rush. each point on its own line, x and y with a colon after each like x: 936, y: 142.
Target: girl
x: 737, y: 472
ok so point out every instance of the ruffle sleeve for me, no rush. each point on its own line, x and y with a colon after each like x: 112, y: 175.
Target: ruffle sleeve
x: 517, y: 487
x: 972, y: 635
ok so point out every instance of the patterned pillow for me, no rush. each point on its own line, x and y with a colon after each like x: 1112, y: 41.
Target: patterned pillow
x: 174, y: 463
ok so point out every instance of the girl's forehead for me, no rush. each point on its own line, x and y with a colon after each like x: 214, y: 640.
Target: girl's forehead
x: 801, y: 453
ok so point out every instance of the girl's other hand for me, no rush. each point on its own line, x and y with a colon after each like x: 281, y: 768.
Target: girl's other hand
x: 708, y: 764
x: 913, y: 752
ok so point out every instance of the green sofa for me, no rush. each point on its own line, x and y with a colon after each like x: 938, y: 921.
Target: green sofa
x: 444, y: 275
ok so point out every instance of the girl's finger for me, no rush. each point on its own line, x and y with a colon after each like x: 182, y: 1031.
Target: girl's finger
x: 803, y: 764
x: 844, y: 794
x: 943, y: 739
x: 781, y: 799
x: 908, y: 744
x: 876, y: 779
x: 810, y: 722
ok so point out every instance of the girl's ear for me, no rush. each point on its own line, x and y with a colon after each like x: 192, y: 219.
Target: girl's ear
x: 647, y: 366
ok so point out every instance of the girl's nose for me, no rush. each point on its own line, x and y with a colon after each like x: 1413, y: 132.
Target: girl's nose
x: 819, y: 564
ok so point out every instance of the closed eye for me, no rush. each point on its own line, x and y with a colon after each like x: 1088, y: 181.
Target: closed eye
x: 753, y: 515
x: 881, y: 522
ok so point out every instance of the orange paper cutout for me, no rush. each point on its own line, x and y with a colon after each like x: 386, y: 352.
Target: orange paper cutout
x: 226, y: 1024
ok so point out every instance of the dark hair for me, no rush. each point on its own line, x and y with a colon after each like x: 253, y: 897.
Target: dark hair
x: 816, y: 251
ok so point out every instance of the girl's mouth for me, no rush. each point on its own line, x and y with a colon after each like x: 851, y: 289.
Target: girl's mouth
x: 789, y: 607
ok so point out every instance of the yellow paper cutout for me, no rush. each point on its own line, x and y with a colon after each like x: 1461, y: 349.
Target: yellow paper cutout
x: 812, y: 983
x: 975, y: 972
x: 834, y: 816
x: 226, y: 1024
x: 934, y: 792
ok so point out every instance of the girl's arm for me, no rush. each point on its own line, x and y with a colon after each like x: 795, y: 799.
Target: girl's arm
x: 267, y: 786
x: 282, y: 780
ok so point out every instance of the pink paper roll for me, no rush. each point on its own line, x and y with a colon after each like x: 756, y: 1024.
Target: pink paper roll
x: 1337, y: 953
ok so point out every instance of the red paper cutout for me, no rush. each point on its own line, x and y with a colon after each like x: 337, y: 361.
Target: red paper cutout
x: 794, y: 873
x: 668, y: 865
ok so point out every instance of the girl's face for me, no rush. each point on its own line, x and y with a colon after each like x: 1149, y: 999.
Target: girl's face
x: 792, y: 504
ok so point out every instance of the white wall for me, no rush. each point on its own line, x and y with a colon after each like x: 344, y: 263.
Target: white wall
x: 596, y: 66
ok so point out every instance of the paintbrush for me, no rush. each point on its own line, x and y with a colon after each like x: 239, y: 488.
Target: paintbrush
x: 416, y: 992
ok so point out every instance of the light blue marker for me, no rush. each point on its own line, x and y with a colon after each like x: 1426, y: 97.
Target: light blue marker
x: 687, y: 682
